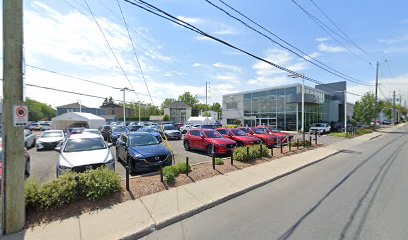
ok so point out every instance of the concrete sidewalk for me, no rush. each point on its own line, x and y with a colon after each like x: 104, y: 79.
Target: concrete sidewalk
x: 142, y: 216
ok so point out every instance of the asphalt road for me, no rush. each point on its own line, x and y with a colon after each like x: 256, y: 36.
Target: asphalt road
x: 360, y: 193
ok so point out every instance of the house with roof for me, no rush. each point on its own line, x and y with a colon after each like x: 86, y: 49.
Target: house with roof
x: 117, y: 110
x: 76, y: 107
x: 178, y: 111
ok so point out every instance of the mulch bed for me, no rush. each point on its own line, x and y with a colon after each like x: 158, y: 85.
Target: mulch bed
x: 146, y: 185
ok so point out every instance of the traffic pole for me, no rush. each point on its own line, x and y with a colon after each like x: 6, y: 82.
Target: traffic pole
x: 13, y: 203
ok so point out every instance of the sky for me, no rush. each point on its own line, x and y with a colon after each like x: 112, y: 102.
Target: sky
x: 62, y: 36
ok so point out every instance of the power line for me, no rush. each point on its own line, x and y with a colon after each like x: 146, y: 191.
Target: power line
x: 319, y: 64
x: 341, y: 31
x: 111, y: 49
x: 161, y: 13
x: 134, y: 50
x: 325, y: 28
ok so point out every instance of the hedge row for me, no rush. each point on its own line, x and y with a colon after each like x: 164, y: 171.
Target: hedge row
x: 71, y: 187
x: 170, y: 173
x: 241, y: 153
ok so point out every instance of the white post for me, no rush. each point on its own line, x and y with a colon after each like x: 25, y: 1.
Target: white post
x: 124, y: 106
x: 139, y: 111
x: 80, y: 105
x: 303, y: 109
x: 345, y: 111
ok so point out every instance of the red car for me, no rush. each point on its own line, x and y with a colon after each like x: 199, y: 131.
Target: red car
x: 273, y: 131
x: 266, y: 138
x: 238, y: 136
x: 206, y: 139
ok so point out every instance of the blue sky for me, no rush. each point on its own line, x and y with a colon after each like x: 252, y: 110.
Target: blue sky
x: 62, y: 36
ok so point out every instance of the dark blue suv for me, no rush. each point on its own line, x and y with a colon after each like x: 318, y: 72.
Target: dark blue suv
x: 142, y: 151
x: 116, y: 132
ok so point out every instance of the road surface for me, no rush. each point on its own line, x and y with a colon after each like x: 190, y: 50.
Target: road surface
x: 361, y: 193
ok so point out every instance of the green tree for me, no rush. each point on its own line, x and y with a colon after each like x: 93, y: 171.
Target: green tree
x: 167, y: 102
x: 166, y: 118
x: 188, y: 99
x: 39, y: 111
x: 364, y: 108
x: 206, y: 114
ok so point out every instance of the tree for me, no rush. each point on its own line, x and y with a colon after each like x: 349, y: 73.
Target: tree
x: 206, y: 114
x: 39, y: 111
x: 364, y: 108
x: 188, y: 99
x: 166, y: 118
x: 167, y: 102
x: 108, y: 101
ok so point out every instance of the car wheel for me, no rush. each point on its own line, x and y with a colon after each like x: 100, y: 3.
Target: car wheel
x: 184, y: 132
x: 209, y: 151
x: 324, y: 131
x: 240, y: 144
x: 186, y: 145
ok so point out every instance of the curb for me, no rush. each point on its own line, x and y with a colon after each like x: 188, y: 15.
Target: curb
x: 180, y: 217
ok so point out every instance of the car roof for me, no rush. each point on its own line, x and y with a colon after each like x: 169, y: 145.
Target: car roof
x: 84, y: 135
x: 138, y: 133
x: 47, y: 131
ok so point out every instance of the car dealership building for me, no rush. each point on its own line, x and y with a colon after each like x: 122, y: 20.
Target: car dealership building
x: 282, y: 106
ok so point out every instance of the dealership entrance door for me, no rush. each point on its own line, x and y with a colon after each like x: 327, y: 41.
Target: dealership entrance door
x: 266, y: 122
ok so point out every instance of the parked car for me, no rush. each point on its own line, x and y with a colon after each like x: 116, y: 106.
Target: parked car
x: 50, y: 139
x: 116, y: 132
x: 208, y: 126
x: 386, y: 122
x: 104, y: 129
x: 185, y: 128
x: 27, y: 163
x: 75, y: 130
x: 171, y: 132
x: 151, y: 131
x: 267, y: 139
x: 81, y: 152
x: 208, y: 140
x: 238, y: 136
x: 281, y: 135
x: 134, y: 128
x: 96, y: 131
x: 34, y: 126
x: 29, y: 139
x: 320, y: 128
x: 143, y: 151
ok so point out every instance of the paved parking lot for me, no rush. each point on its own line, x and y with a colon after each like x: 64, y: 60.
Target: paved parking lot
x: 43, y: 163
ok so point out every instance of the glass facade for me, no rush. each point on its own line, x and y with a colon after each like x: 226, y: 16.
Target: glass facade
x: 281, y: 107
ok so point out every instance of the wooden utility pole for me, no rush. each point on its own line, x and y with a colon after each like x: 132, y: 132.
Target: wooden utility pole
x: 13, y: 141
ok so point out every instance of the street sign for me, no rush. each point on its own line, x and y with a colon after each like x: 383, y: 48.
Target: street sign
x: 20, y: 113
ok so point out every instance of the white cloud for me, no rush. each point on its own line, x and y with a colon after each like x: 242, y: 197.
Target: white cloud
x: 322, y: 39
x: 202, y: 38
x: 323, y: 47
x: 399, y: 39
x: 196, y: 64
x: 191, y: 20
x: 232, y: 68
x: 312, y: 55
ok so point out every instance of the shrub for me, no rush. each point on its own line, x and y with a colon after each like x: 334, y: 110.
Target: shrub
x: 338, y: 134
x: 364, y: 131
x: 219, y: 161
x: 294, y: 144
x: 96, y: 184
x: 91, y: 185
x: 241, y: 154
x: 169, y: 174
x: 181, y: 167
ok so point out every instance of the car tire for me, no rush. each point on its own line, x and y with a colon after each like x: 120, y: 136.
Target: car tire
x: 324, y: 131
x: 186, y: 145
x: 184, y: 132
x: 240, y: 144
x: 209, y: 150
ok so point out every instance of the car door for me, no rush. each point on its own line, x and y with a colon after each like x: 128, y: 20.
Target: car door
x: 120, y: 149
x: 194, y: 138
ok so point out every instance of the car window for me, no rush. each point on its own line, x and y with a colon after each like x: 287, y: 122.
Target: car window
x: 213, y: 134
x: 169, y: 127
x: 223, y: 131
x: 258, y: 130
x: 84, y: 144
x: 142, y: 140
x: 195, y: 133
x: 119, y: 129
x: 51, y: 134
x: 238, y: 132
x: 245, y: 130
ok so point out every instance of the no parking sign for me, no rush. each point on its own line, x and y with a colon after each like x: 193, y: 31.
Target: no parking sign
x: 20, y: 115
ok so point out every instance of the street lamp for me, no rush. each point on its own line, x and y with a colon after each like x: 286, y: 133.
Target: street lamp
x: 303, y: 101
x: 80, y: 105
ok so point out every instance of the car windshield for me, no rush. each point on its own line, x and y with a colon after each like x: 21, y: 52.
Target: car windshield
x: 223, y: 131
x: 142, y: 140
x: 76, y: 130
x: 119, y: 129
x: 258, y: 130
x: 146, y: 130
x: 92, y: 131
x: 208, y: 126
x: 238, y: 132
x: 274, y: 130
x: 84, y: 144
x: 45, y: 124
x: 246, y: 130
x: 51, y: 134
x: 213, y: 134
x: 169, y: 127
x: 264, y: 130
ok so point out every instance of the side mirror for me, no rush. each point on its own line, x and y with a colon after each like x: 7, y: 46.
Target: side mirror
x: 58, y: 149
x: 110, y: 145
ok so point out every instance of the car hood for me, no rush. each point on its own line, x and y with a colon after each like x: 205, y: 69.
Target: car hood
x: 171, y: 131
x: 73, y: 159
x: 279, y: 134
x: 263, y: 135
x: 149, y: 151
x: 222, y: 141
x: 50, y: 139
x: 245, y: 138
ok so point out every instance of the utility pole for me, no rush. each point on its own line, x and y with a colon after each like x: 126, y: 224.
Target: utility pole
x: 393, y: 108
x: 124, y: 104
x: 206, y: 83
x: 80, y: 105
x: 13, y: 142
x: 345, y: 111
x: 376, y: 89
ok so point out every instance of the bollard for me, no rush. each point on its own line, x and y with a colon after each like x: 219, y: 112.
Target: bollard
x: 272, y: 151
x: 310, y: 140
x: 187, y: 166
x: 127, y: 177
x: 213, y: 157
x: 161, y: 172
x: 297, y: 142
x: 281, y: 144
x: 232, y: 157
x: 247, y: 152
x: 290, y: 144
x: 260, y: 149
x: 316, y: 138
x: 77, y: 185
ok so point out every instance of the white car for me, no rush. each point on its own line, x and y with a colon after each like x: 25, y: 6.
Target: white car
x: 82, y: 152
x: 320, y: 128
x: 96, y: 131
x: 184, y: 129
x: 50, y: 139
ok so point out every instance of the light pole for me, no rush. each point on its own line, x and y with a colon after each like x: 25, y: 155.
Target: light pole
x: 303, y: 102
x: 124, y: 103
x: 80, y: 105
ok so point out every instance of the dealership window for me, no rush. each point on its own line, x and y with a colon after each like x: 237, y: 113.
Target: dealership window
x: 232, y: 105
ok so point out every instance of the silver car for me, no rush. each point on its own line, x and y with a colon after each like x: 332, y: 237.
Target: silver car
x: 29, y: 139
x: 82, y: 152
x: 50, y: 139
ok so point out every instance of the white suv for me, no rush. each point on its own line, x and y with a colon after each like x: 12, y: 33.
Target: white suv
x: 320, y: 128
